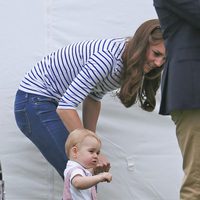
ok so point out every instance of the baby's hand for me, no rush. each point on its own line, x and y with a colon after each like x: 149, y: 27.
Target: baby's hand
x: 106, y: 176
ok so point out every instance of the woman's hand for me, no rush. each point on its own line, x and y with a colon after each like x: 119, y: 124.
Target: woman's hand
x: 103, y: 165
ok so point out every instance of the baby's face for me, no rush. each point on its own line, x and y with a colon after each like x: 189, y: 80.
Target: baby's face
x: 88, y: 152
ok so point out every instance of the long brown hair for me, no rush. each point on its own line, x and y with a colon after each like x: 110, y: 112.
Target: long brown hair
x: 134, y: 83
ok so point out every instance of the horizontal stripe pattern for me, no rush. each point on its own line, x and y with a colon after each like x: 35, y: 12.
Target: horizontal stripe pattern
x: 77, y: 70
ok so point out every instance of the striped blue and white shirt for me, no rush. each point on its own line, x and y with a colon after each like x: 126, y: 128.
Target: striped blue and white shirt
x: 77, y: 70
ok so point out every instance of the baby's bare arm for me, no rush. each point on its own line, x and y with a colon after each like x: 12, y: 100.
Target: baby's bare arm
x: 85, y: 182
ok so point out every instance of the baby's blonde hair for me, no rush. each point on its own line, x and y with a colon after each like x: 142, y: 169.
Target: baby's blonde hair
x: 76, y: 137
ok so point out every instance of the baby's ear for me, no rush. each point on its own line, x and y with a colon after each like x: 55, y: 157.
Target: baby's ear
x: 74, y: 151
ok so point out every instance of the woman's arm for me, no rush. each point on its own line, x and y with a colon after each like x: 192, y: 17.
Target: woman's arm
x: 70, y: 119
x: 85, y: 182
x: 91, y: 110
x: 90, y: 114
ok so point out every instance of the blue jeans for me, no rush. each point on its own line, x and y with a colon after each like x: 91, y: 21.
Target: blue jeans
x: 36, y: 117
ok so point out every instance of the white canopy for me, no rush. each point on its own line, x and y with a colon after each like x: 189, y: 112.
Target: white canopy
x: 142, y: 147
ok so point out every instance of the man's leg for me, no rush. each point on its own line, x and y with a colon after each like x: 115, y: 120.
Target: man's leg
x: 188, y: 135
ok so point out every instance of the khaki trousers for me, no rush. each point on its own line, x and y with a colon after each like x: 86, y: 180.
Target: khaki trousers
x: 188, y: 134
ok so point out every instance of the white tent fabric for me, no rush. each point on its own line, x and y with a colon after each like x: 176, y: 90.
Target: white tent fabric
x: 141, y: 146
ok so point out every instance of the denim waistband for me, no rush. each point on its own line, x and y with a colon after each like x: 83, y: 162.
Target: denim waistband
x: 27, y: 94
x: 30, y: 95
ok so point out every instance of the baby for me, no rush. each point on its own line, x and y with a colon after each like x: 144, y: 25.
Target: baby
x: 82, y: 148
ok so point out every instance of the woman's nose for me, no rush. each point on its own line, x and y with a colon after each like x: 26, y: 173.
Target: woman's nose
x: 158, y: 62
